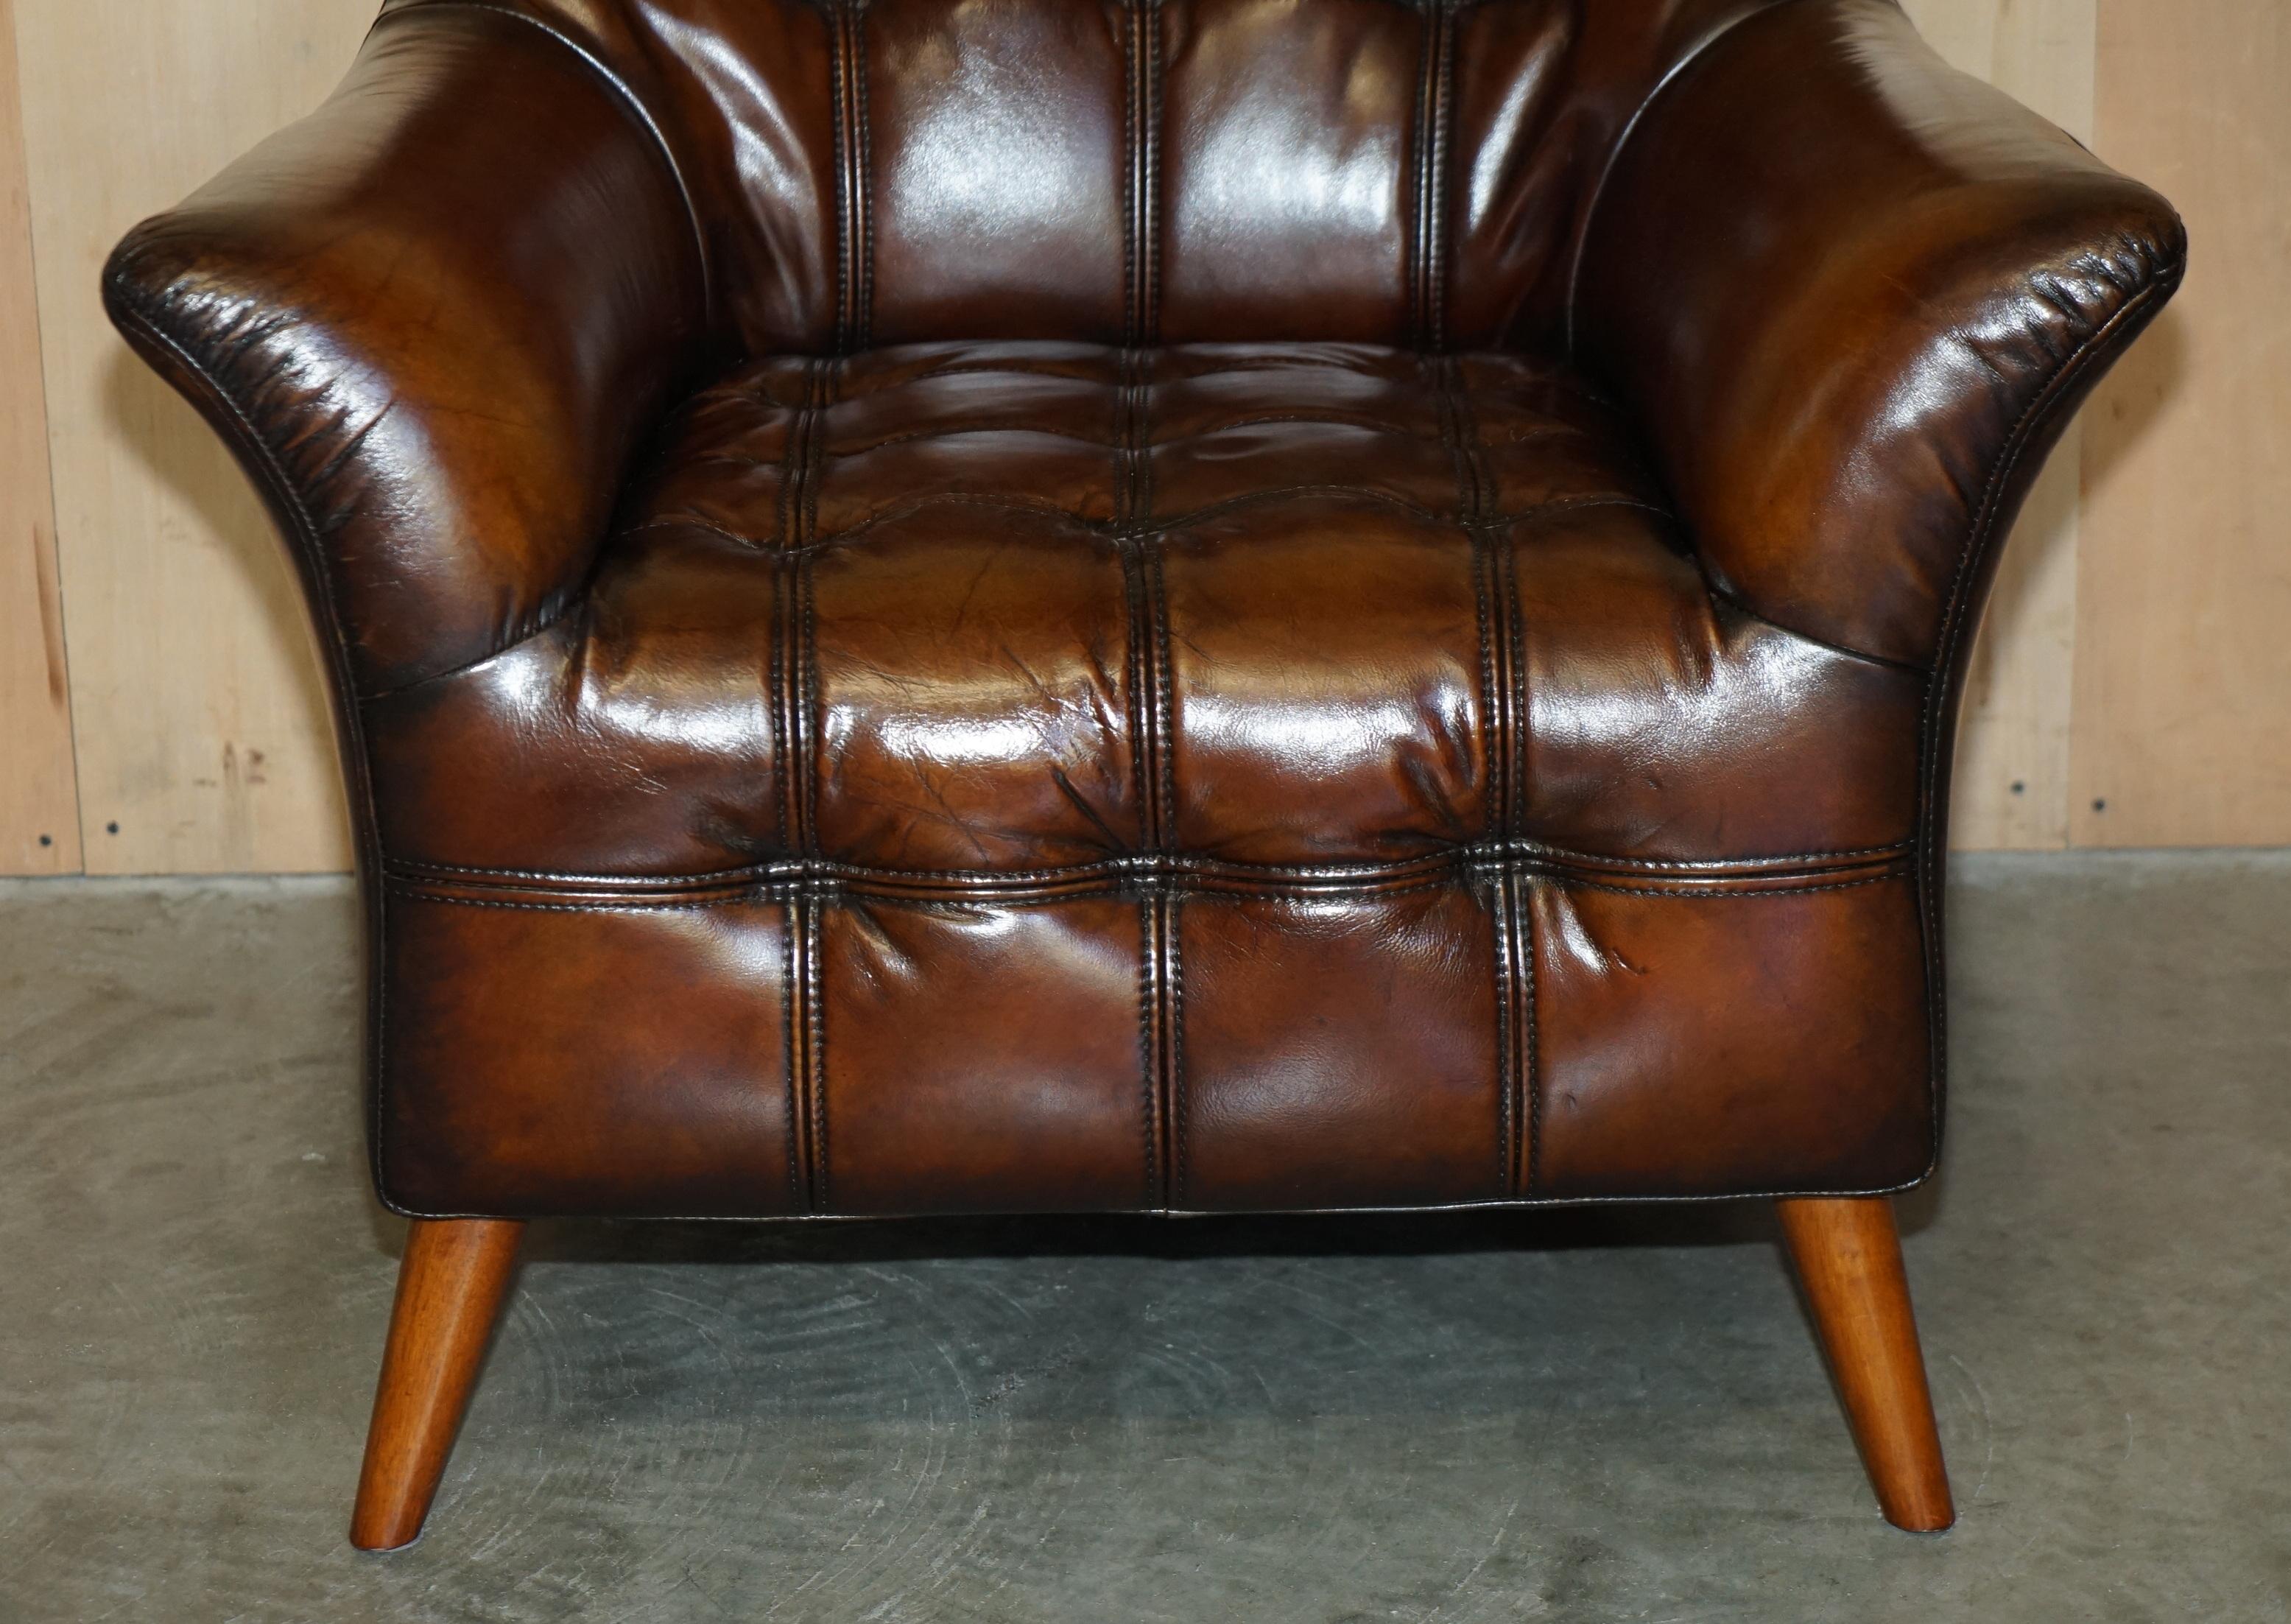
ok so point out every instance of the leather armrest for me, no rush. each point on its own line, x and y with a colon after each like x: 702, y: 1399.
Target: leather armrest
x: 1854, y: 296
x: 434, y: 319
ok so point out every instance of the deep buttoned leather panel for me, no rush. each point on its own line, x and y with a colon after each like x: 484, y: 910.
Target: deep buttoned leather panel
x: 1005, y: 607
x: 1483, y: 1031
x: 872, y: 172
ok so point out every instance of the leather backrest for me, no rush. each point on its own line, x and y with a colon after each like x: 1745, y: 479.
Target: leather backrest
x: 1402, y: 172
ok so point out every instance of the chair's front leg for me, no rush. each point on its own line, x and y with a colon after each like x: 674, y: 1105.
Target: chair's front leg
x: 1850, y: 1259
x: 450, y: 1288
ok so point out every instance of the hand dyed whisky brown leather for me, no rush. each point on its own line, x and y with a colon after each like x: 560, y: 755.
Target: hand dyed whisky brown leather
x: 1218, y: 603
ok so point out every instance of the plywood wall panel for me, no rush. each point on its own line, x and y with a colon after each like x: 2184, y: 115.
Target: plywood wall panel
x: 2012, y: 786
x: 2182, y: 732
x: 39, y: 811
x: 203, y: 739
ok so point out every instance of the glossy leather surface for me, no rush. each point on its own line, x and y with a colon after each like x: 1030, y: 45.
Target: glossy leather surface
x: 954, y: 605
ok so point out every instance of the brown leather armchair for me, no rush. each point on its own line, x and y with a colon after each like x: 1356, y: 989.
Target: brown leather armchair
x: 1162, y: 605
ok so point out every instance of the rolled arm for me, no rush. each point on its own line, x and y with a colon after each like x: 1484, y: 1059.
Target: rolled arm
x: 1854, y: 296
x: 434, y: 319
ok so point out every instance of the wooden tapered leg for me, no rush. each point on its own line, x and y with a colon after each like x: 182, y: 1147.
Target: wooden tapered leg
x: 450, y: 1287
x: 1849, y: 1258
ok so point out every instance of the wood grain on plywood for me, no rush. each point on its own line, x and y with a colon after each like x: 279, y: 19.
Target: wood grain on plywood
x: 2183, y: 672
x: 2011, y: 788
x: 39, y: 813
x: 204, y: 743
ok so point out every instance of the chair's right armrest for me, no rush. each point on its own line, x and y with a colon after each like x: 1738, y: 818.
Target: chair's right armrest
x: 435, y: 320
x: 1853, y: 295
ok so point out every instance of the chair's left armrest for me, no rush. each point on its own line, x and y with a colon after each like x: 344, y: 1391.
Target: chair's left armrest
x: 436, y: 320
x: 1854, y: 296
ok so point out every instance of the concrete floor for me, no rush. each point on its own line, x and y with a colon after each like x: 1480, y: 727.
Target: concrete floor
x: 1612, y: 1416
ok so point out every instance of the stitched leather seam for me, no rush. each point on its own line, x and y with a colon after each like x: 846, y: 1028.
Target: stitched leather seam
x: 1129, y: 508
x: 1507, y: 1075
x: 412, y: 893
x: 378, y: 1087
x: 1141, y: 173
x: 863, y: 200
x: 1333, y: 420
x: 1491, y: 823
x: 525, y: 1214
x: 1932, y: 835
x: 830, y: 374
x: 1150, y: 218
x: 1519, y: 920
x: 799, y: 908
x: 812, y: 898
x: 1414, y: 270
x: 304, y: 538
x: 1176, y: 521
x: 782, y: 606
x: 1134, y: 507
x: 1512, y: 639
x: 1442, y: 148
x: 1138, y: 623
x: 799, y: 1045
x: 774, y: 703
x: 1671, y: 76
x: 804, y: 745
x: 1160, y: 697
x: 1174, y: 1040
x: 1575, y: 882
x: 1164, y: 690
x: 1139, y: 429
x: 1148, y: 1059
x: 790, y: 671
x: 1516, y: 1015
x: 807, y: 580
x: 1359, y: 888
x: 806, y: 707
x: 1531, y: 1152
x: 1068, y: 367
x: 1493, y: 521
x: 1180, y: 863
x: 840, y: 140
x: 621, y: 88
x: 1978, y: 535
x: 1434, y: 96
x: 789, y: 999
x: 1496, y: 736
x: 1131, y: 115
x: 816, y: 1061
x: 1062, y: 359
x: 1136, y: 701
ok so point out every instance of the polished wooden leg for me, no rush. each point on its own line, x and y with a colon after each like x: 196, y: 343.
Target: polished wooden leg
x: 1850, y: 1259
x: 450, y: 1288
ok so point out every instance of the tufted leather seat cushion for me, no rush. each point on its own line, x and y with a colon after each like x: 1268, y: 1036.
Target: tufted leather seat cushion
x: 1020, y: 608
x: 1196, y: 744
